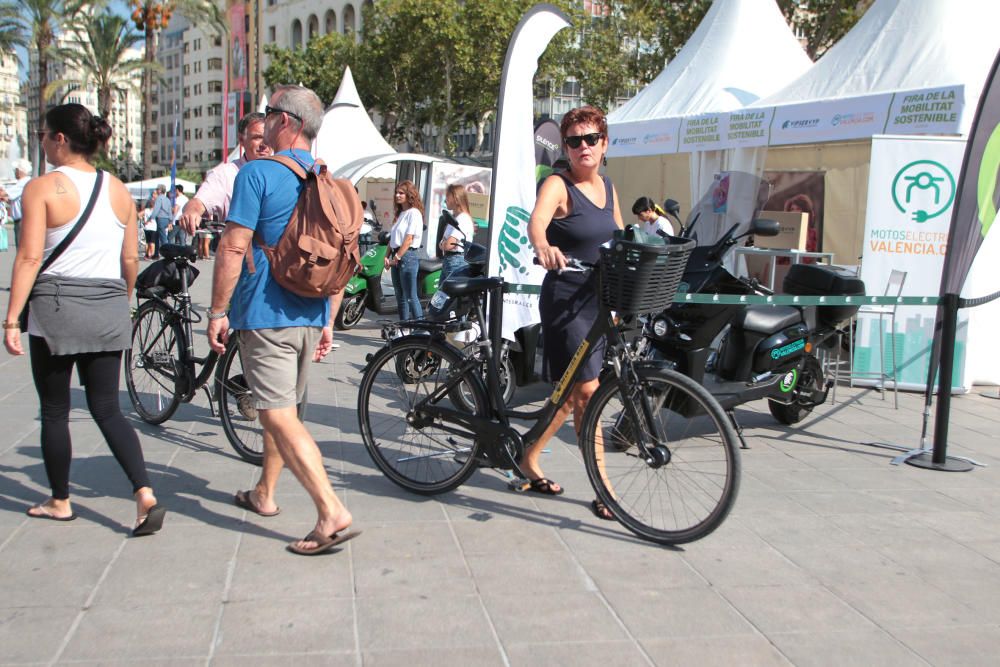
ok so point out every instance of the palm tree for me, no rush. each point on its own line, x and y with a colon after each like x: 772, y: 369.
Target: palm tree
x: 98, y: 54
x: 37, y: 22
x: 150, y: 16
x: 11, y: 33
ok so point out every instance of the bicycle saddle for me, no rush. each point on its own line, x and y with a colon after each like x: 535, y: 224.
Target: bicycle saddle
x: 173, y: 251
x: 462, y: 286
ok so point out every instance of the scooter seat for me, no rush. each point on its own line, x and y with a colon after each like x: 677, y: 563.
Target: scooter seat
x: 429, y: 265
x: 462, y: 286
x: 767, y: 319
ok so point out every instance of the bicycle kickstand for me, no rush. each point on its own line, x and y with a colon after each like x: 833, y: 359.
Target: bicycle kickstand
x: 211, y: 400
x: 737, y: 428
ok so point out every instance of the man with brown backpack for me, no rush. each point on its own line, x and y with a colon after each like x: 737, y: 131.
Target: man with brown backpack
x: 301, y: 229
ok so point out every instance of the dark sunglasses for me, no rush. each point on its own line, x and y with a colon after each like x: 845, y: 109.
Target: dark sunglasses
x: 268, y: 110
x: 576, y: 140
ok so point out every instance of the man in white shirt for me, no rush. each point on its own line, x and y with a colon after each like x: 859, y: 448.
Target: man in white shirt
x: 22, y: 174
x: 177, y: 233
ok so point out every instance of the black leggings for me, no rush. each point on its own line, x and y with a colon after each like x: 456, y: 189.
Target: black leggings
x: 99, y: 373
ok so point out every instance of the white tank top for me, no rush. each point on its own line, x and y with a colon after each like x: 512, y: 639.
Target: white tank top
x: 97, y: 250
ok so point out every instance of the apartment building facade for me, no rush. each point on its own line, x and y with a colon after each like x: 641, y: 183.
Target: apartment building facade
x: 13, y: 115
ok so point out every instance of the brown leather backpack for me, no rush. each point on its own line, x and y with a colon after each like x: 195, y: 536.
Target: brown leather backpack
x: 318, y: 251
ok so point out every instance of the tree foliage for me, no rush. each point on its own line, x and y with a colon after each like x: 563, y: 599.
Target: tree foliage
x: 98, y: 54
x: 823, y: 22
x: 319, y: 66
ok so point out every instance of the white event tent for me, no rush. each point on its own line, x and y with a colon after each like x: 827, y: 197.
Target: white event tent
x: 742, y: 50
x: 347, y: 133
x: 140, y: 190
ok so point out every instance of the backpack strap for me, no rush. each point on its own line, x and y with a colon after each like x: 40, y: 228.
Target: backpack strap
x: 299, y: 170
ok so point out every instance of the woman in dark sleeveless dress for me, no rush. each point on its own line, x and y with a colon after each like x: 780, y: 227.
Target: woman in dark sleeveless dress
x: 574, y: 215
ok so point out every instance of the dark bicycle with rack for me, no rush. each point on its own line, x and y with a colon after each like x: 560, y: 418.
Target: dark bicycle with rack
x: 659, y: 450
x: 161, y: 367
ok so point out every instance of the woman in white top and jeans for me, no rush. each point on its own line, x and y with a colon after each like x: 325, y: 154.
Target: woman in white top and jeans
x: 452, y: 250
x: 79, y: 314
x: 405, y: 238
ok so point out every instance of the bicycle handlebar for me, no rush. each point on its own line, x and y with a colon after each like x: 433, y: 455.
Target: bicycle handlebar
x: 573, y: 265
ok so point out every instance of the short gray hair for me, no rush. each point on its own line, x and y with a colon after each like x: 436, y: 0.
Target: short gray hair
x: 305, y: 104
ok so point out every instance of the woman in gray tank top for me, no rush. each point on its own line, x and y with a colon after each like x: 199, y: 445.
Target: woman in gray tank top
x: 574, y: 215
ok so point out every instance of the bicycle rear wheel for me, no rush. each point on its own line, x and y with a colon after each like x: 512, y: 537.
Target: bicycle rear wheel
x: 419, y: 454
x: 240, y: 421
x: 152, y: 364
x: 687, y: 484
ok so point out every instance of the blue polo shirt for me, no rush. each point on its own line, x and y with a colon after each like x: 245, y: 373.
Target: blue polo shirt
x: 263, y: 199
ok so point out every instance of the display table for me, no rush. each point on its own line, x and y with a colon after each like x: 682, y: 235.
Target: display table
x: 796, y: 257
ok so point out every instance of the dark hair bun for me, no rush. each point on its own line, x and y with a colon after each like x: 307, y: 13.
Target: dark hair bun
x: 100, y: 130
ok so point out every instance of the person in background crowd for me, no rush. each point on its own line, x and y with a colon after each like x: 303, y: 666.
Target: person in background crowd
x: 22, y: 174
x: 576, y: 212
x: 405, y: 238
x: 279, y: 331
x: 216, y: 191
x: 162, y: 214
x: 178, y: 234
x: 149, y: 228
x: 453, y: 238
x: 653, y: 218
x: 79, y: 312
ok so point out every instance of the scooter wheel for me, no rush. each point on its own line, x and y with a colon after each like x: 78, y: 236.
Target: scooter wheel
x: 352, y: 309
x: 811, y: 379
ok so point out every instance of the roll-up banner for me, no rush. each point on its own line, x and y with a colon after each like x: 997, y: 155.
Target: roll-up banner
x: 511, y: 255
x: 912, y: 188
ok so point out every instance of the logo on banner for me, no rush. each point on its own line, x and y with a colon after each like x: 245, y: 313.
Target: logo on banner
x: 853, y: 118
x: 989, y: 187
x: 624, y: 141
x: 513, y: 240
x: 799, y: 124
x: 923, y: 190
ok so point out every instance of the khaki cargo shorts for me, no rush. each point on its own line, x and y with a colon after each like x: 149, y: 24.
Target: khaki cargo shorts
x: 276, y: 364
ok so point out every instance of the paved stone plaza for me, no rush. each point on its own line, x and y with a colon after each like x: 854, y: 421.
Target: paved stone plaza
x: 832, y: 556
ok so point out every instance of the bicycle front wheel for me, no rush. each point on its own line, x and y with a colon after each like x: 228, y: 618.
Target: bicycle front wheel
x: 152, y: 363
x: 684, y: 484
x: 420, y: 454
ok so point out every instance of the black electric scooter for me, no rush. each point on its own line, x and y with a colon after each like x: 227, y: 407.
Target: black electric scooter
x: 764, y: 351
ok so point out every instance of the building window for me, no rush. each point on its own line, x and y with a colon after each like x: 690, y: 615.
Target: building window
x: 197, y: 67
x: 187, y: 70
x: 214, y: 63
x: 215, y: 86
x: 187, y: 91
x: 272, y: 34
x: 313, y: 26
x: 330, y: 22
x: 349, y: 19
x: 296, y: 34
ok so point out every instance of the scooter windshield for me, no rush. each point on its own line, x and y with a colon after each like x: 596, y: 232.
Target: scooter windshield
x: 730, y: 198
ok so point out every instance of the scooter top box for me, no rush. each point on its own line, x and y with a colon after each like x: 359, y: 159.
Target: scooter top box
x: 819, y: 280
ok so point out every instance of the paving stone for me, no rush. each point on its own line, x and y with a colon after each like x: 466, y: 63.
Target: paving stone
x: 309, y: 624
x: 715, y: 651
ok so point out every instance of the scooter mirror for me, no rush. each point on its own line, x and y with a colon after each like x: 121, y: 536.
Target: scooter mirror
x: 762, y: 227
x: 383, y: 238
x: 672, y: 207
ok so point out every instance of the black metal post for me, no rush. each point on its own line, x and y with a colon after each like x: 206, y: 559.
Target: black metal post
x: 939, y: 459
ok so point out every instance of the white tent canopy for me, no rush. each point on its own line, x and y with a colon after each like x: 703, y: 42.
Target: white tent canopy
x: 347, y: 133
x: 742, y: 50
x: 142, y: 189
x: 903, y: 45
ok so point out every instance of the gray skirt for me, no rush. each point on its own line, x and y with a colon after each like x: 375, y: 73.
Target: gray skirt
x: 80, y: 315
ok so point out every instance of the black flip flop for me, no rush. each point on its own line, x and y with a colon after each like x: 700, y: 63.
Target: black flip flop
x: 152, y: 523
x: 601, y: 511
x: 245, y: 500
x: 543, y: 485
x: 324, y: 543
x: 48, y: 515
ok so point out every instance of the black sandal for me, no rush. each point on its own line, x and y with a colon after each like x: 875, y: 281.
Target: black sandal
x: 601, y: 510
x: 543, y: 485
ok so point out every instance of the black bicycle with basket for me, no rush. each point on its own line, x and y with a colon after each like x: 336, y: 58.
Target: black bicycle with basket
x: 670, y: 476
x: 161, y: 367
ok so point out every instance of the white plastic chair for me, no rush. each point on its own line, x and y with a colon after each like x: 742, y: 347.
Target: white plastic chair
x: 893, y: 288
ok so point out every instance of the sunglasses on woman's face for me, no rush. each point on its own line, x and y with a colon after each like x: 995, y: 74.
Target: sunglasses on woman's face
x: 576, y: 140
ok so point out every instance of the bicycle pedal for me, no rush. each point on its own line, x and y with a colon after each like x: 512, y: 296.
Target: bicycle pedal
x: 519, y: 485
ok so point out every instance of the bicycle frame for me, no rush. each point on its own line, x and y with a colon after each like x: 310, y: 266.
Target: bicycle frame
x: 182, y: 313
x: 494, y: 430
